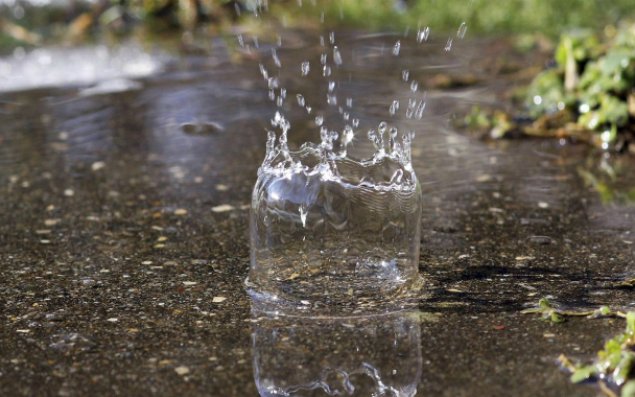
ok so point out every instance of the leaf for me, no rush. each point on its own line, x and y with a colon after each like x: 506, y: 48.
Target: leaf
x: 556, y: 318
x: 584, y: 373
x: 630, y: 323
x: 629, y: 389
x: 624, y: 368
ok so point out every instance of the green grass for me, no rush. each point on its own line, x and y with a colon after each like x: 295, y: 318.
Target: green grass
x: 549, y: 17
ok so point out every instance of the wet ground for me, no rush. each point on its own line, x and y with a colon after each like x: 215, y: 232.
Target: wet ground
x: 124, y: 220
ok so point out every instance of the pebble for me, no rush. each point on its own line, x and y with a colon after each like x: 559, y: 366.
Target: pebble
x: 218, y: 299
x: 180, y: 212
x: 69, y: 192
x: 543, y: 205
x: 51, y: 222
x: 189, y: 283
x: 223, y: 208
x: 97, y: 165
x: 182, y: 370
x: 222, y: 188
x: 112, y: 320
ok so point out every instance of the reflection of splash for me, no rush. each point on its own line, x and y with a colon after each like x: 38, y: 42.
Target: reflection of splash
x: 56, y: 67
x: 337, y: 356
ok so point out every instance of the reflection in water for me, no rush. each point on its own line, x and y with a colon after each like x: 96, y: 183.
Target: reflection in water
x: 348, y: 356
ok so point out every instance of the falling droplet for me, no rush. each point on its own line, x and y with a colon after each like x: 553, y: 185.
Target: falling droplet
x: 448, y: 45
x: 332, y: 37
x: 422, y: 35
x: 301, y: 101
x: 405, y: 75
x: 319, y: 120
x: 420, y: 108
x: 337, y: 57
x: 263, y: 71
x: 462, y: 30
x: 303, y: 214
x: 305, y: 67
x: 276, y: 60
x: 396, y: 48
x: 414, y: 86
x: 394, y: 107
x: 349, y: 102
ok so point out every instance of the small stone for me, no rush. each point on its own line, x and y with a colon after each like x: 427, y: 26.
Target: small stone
x: 182, y: 370
x: 112, y: 320
x: 218, y: 299
x: 162, y: 239
x: 180, y: 212
x: 222, y: 208
x: 146, y: 262
x: 62, y: 136
x: 483, y: 178
x: 524, y: 258
x: 23, y: 331
x: 97, y: 165
x: 222, y: 188
x: 189, y: 283
x: 159, y: 246
x: 543, y: 205
x: 69, y: 192
x: 43, y: 231
x: 45, y: 241
x: 51, y: 222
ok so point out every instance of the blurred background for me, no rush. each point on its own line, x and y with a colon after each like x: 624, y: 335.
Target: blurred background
x: 33, y: 22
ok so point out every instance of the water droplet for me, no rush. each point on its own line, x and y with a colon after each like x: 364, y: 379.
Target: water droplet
x: 383, y: 126
x: 319, y: 120
x: 349, y: 102
x: 422, y: 35
x: 241, y: 40
x: 332, y: 37
x: 301, y: 101
x: 396, y: 48
x: 303, y: 214
x: 394, y: 107
x: 263, y: 72
x: 448, y: 45
x: 337, y: 57
x: 420, y: 108
x: 347, y: 135
x: 414, y: 86
x: 412, y: 105
x: 331, y: 86
x: 326, y: 71
x: 405, y: 75
x: 276, y: 60
x: 305, y: 67
x: 462, y: 30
